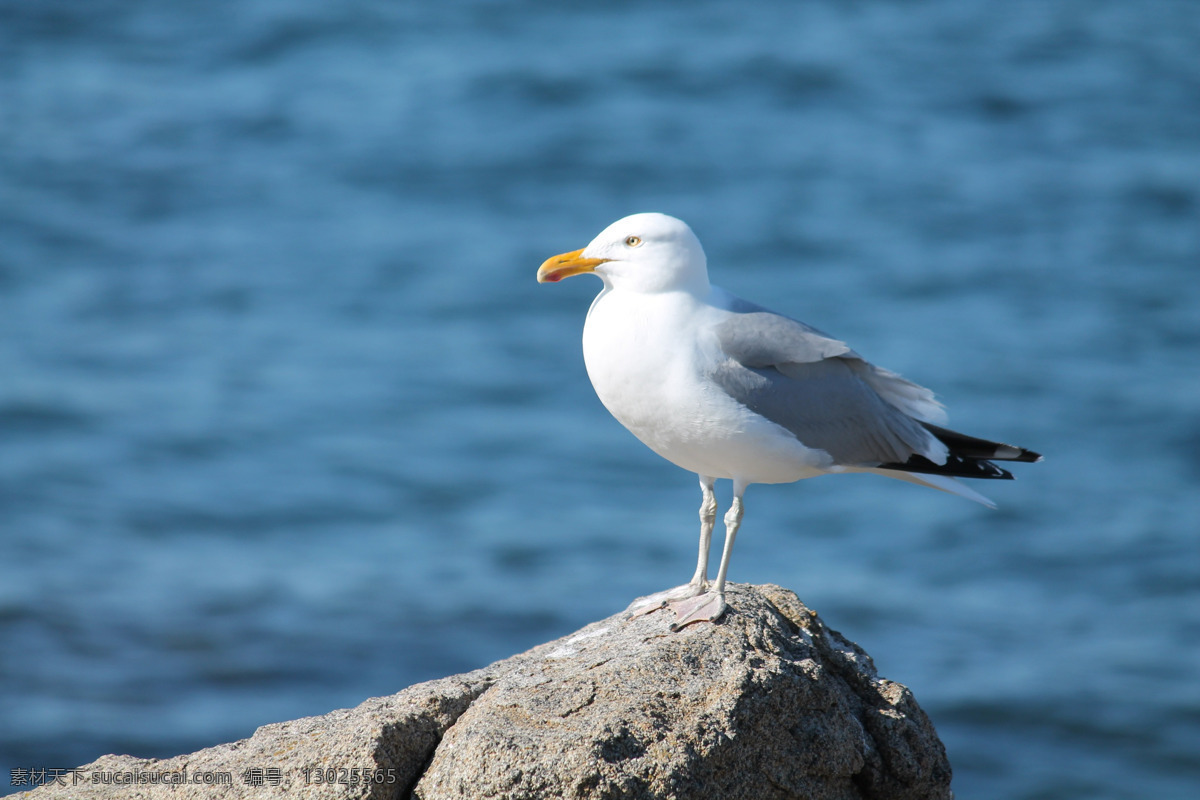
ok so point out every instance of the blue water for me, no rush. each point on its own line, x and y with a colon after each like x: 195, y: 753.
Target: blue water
x: 285, y: 421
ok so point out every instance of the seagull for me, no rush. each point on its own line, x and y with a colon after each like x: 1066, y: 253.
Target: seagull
x: 730, y: 390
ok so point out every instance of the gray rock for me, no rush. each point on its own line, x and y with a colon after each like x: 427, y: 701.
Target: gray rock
x: 767, y: 703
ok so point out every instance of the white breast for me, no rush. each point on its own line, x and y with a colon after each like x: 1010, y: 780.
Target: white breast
x: 648, y: 356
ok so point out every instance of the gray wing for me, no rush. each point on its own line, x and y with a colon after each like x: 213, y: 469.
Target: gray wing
x: 762, y: 338
x: 822, y: 391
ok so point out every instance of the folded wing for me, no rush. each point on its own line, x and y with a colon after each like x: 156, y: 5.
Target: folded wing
x: 831, y: 399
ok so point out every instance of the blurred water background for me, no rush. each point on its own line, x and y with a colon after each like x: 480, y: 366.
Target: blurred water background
x: 285, y: 421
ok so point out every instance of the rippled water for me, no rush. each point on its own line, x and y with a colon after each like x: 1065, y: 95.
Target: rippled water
x: 285, y: 421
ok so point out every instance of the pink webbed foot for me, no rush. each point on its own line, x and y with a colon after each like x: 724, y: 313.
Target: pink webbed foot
x: 653, y: 602
x: 707, y: 607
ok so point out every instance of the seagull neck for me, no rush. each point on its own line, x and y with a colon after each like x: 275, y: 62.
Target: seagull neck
x: 695, y: 285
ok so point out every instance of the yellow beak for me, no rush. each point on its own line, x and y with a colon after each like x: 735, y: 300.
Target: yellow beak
x: 555, y: 268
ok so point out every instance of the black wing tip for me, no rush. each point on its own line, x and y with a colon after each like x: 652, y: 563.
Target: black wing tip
x: 1010, y: 452
x: 972, y: 447
x: 969, y: 457
x: 955, y: 467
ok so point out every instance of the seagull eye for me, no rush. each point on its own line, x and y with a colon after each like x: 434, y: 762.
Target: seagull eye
x: 633, y: 241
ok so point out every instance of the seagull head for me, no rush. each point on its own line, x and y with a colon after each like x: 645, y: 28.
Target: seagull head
x: 642, y: 253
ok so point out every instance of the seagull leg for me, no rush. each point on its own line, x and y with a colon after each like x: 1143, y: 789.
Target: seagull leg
x: 699, y: 582
x: 709, y: 607
x: 708, y: 519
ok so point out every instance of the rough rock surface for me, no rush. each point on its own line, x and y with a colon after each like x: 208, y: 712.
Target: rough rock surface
x: 767, y: 703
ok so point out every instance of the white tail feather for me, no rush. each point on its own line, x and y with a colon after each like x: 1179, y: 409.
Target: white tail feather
x: 939, y: 482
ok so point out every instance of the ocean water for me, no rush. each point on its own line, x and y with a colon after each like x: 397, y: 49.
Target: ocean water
x: 285, y: 421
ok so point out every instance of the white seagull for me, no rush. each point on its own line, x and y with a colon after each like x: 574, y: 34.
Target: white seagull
x: 728, y: 389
